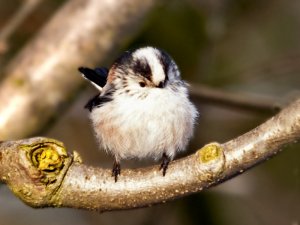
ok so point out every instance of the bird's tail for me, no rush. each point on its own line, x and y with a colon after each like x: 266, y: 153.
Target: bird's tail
x: 97, y: 77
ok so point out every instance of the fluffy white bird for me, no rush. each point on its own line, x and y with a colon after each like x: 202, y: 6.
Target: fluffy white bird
x: 143, y: 109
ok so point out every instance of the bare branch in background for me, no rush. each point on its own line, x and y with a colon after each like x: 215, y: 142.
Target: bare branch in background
x: 254, y: 103
x: 27, y: 7
x: 41, y: 173
x: 44, y: 75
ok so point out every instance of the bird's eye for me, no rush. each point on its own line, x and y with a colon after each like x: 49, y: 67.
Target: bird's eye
x: 142, y: 84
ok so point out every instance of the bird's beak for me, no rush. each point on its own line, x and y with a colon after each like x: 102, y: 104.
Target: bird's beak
x: 161, y: 84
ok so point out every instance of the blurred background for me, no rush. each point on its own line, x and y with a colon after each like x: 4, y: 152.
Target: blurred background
x: 241, y: 46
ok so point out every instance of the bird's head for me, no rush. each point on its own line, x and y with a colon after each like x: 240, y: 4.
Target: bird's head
x: 144, y: 68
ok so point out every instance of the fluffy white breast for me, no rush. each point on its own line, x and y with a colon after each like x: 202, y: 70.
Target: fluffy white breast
x: 130, y: 127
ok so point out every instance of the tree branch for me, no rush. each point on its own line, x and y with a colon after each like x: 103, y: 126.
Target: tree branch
x: 14, y: 23
x: 44, y: 75
x: 262, y: 104
x: 41, y: 173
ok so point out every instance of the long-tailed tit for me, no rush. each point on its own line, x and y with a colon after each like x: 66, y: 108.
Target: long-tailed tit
x: 143, y: 109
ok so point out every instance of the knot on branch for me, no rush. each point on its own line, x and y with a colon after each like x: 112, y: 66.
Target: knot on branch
x: 47, y: 157
x: 36, y: 169
x: 210, y: 152
x: 211, y: 161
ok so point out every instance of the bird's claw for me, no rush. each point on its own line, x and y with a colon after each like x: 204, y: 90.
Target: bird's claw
x: 116, y: 170
x: 164, y: 164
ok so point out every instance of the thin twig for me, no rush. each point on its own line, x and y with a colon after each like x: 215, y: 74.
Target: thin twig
x: 254, y: 103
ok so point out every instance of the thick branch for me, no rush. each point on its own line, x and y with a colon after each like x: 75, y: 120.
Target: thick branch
x: 44, y: 75
x: 42, y: 174
x: 14, y: 23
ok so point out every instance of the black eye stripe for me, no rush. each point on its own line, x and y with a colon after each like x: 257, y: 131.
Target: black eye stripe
x: 165, y: 61
x: 143, y: 69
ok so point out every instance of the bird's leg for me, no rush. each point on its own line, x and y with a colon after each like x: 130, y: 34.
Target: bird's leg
x: 164, y: 164
x: 116, y: 170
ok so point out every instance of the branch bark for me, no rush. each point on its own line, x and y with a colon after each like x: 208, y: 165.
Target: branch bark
x: 43, y: 77
x: 14, y: 23
x: 42, y: 174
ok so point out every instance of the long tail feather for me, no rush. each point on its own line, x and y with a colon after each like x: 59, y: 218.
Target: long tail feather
x: 97, y: 77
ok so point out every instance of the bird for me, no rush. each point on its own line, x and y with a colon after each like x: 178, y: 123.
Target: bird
x: 142, y: 109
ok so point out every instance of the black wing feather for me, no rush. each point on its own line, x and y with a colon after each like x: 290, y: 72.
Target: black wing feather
x: 99, y: 100
x: 98, y: 76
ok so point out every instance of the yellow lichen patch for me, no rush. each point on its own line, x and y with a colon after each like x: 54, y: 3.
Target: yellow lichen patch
x: 209, y: 152
x: 49, y: 157
x: 45, y: 158
x: 49, y: 160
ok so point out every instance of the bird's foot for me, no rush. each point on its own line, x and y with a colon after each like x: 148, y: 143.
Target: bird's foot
x: 164, y: 164
x: 116, y: 170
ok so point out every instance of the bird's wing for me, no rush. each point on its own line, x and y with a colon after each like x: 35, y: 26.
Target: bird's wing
x: 101, y: 99
x: 97, y: 77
